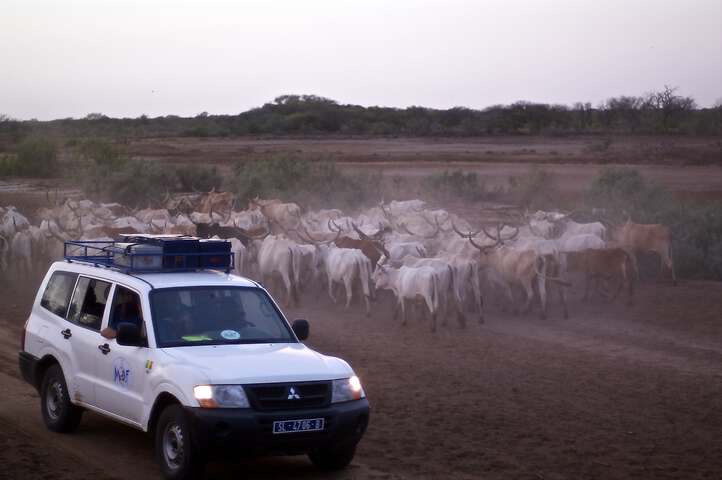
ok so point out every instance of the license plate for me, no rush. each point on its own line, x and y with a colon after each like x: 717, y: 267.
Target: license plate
x: 305, y: 425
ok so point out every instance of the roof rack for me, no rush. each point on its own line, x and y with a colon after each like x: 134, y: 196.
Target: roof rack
x: 152, y: 254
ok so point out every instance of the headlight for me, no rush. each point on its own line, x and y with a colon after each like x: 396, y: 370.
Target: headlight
x: 346, y: 389
x: 221, y: 396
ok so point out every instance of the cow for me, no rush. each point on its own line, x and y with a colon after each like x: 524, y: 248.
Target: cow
x: 508, y: 266
x: 276, y: 258
x: 22, y: 253
x: 447, y: 284
x: 568, y: 227
x: 208, y: 230
x: 373, y: 249
x: 605, y: 264
x: 286, y: 215
x: 638, y: 237
x: 11, y: 222
x: 344, y: 265
x: 409, y: 283
x: 4, y: 248
x: 216, y: 201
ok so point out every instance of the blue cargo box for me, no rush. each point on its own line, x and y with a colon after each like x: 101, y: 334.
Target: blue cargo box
x: 215, y: 253
x: 185, y: 247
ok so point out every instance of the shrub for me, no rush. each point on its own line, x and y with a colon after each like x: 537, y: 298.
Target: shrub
x: 624, y: 192
x: 103, y: 153
x: 137, y: 183
x: 454, y: 184
x: 198, y: 177
x: 696, y: 229
x: 537, y: 189
x: 8, y: 165
x: 37, y: 157
x: 309, y: 182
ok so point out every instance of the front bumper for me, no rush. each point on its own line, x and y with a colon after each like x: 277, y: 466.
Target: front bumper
x: 248, y: 433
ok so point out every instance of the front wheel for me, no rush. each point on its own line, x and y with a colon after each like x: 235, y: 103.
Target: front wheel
x: 328, y: 459
x: 59, y: 414
x: 178, y: 458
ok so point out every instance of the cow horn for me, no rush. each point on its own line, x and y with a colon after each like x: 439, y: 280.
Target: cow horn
x: 361, y: 234
x: 464, y: 235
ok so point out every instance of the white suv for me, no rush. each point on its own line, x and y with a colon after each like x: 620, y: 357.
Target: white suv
x: 204, y: 360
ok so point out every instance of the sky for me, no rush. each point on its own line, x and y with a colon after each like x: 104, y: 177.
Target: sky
x: 125, y: 58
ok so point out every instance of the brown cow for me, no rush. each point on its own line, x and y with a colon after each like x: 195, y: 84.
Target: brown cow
x: 638, y: 237
x: 605, y: 264
x: 373, y: 250
x: 284, y: 215
x: 216, y: 201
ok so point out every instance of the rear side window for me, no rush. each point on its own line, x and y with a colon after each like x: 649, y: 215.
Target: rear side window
x: 57, y: 294
x: 88, y: 303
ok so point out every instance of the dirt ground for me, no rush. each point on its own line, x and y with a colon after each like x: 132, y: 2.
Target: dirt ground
x: 640, y: 149
x: 614, y: 392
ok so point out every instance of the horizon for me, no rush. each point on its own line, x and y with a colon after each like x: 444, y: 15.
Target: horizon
x: 716, y: 104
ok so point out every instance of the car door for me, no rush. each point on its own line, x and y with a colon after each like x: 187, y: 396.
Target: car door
x: 123, y: 370
x: 62, y: 336
x: 85, y: 316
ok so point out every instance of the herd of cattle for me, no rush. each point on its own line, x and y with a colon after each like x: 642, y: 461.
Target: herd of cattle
x: 423, y: 256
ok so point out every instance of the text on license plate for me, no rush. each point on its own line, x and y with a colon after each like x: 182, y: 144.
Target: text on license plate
x: 305, y: 425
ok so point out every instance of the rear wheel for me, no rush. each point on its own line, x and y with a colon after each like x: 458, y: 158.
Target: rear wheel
x: 59, y: 414
x: 174, y: 449
x: 331, y: 459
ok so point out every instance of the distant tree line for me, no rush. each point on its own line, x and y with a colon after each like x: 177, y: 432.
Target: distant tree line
x: 663, y: 112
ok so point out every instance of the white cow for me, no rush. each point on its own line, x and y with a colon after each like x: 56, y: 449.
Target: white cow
x: 398, y: 250
x: 344, y: 265
x: 408, y: 283
x: 12, y: 221
x: 276, y: 258
x: 447, y: 284
x: 21, y: 249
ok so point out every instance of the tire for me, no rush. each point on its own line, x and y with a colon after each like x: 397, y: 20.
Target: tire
x: 59, y: 414
x: 177, y: 456
x: 331, y: 460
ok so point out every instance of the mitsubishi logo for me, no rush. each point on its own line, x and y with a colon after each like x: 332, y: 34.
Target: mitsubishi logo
x: 292, y: 395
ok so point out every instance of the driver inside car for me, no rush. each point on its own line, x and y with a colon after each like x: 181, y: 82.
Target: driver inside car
x: 126, y: 309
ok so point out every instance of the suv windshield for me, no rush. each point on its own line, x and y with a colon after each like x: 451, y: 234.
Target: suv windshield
x: 216, y: 315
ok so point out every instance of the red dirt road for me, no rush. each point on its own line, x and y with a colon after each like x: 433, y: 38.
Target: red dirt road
x: 615, y: 392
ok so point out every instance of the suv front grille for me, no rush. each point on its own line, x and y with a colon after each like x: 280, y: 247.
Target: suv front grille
x: 278, y: 396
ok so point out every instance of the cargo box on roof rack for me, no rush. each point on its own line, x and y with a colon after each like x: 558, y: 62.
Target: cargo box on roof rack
x: 152, y: 253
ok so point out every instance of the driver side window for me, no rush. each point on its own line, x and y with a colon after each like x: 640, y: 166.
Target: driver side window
x: 126, y: 308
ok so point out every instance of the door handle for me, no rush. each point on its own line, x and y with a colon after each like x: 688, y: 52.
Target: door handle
x: 105, y: 348
x: 66, y: 333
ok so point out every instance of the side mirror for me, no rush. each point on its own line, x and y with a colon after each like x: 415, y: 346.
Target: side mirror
x: 300, y: 328
x: 129, y: 335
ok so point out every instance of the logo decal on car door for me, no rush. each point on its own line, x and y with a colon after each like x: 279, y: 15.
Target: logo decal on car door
x: 122, y: 374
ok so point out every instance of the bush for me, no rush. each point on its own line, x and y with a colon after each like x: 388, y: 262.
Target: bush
x: 309, y: 182
x: 197, y: 177
x: 36, y: 157
x: 696, y: 229
x: 624, y: 192
x: 137, y: 183
x: 8, y: 165
x: 535, y: 190
x: 103, y: 153
x: 455, y: 184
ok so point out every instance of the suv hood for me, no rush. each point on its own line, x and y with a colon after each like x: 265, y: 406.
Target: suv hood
x: 258, y: 363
